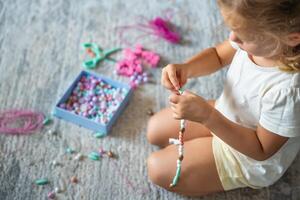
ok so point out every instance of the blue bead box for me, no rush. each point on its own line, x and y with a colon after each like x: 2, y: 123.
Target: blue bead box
x: 84, y: 121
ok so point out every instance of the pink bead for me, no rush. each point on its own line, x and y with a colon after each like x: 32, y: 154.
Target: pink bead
x: 51, y: 195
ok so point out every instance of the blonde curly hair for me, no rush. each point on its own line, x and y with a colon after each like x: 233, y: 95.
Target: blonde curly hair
x: 272, y: 21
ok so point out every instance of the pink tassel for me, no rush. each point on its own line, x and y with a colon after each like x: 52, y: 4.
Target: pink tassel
x: 158, y: 26
x: 162, y: 29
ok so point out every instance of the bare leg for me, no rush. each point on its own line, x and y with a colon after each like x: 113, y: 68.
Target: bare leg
x: 163, y: 126
x: 199, y: 175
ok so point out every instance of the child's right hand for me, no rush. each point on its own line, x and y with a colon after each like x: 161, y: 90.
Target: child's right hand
x: 174, y: 76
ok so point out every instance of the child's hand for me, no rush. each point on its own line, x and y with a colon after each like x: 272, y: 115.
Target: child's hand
x: 190, y: 106
x: 174, y: 76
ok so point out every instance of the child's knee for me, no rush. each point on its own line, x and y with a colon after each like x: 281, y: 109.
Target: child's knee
x: 155, y: 172
x: 152, y: 130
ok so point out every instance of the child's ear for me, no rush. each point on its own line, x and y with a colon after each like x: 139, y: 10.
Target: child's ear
x: 293, y: 39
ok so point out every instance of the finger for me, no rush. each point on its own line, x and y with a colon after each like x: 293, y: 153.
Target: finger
x: 176, y: 116
x: 173, y: 98
x: 173, y: 79
x: 183, y: 79
x: 173, y: 106
x: 166, y: 82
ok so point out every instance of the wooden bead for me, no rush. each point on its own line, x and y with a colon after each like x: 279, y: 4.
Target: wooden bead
x: 150, y: 112
x: 180, y: 157
x: 74, y: 179
x: 110, y: 154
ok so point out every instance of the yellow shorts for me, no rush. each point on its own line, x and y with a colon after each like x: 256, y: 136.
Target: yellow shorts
x: 228, y: 166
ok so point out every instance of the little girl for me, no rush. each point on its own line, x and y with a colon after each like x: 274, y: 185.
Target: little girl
x: 250, y: 135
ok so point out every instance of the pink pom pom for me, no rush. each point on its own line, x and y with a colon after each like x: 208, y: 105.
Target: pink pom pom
x: 162, y: 28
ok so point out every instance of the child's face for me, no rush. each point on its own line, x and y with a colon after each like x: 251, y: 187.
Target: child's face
x: 260, y: 48
x: 249, y: 40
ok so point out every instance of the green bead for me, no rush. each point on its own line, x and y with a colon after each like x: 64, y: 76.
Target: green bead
x: 180, y: 91
x: 86, y: 45
x: 42, y: 181
x: 99, y: 135
x: 94, y: 156
x: 69, y: 150
x: 46, y: 121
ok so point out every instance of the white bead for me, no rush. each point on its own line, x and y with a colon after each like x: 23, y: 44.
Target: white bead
x: 55, y: 163
x: 51, y: 132
x: 79, y: 156
x: 174, y: 141
x: 57, y: 190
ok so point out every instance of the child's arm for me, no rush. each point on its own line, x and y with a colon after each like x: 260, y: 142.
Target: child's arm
x: 206, y: 62
x: 210, y: 60
x: 258, y: 144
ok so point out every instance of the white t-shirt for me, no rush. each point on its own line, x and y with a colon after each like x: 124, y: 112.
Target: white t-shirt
x: 255, y: 95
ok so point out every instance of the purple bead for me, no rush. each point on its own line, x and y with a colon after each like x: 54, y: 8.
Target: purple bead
x: 94, y: 99
x: 145, y: 79
x: 51, y: 195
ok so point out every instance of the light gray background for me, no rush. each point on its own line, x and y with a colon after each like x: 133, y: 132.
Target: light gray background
x: 40, y: 56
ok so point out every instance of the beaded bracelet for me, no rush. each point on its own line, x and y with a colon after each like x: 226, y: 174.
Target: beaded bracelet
x: 179, y: 142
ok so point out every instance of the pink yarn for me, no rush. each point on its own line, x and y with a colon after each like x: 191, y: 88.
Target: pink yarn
x: 158, y: 26
x: 162, y: 29
x: 19, y: 122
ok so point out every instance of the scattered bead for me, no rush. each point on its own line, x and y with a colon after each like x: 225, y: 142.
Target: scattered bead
x: 70, y: 150
x: 51, y: 132
x: 47, y: 121
x: 110, y: 154
x: 94, y: 156
x: 57, y: 190
x: 55, y: 163
x: 150, y: 112
x: 101, y: 151
x: 79, y: 157
x: 74, y: 179
x: 99, y: 135
x: 51, y: 195
x: 42, y: 181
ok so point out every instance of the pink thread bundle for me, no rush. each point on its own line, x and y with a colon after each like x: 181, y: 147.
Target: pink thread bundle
x: 19, y: 122
x: 162, y: 28
x: 134, y: 62
x: 158, y: 26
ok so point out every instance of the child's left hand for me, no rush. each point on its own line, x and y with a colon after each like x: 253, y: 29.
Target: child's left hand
x: 190, y: 106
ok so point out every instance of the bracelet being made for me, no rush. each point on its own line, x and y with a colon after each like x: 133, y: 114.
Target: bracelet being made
x: 179, y: 142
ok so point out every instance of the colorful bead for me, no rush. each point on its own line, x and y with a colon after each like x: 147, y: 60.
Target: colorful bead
x: 133, y: 63
x: 98, y: 100
x: 180, y: 149
x: 74, y: 179
x: 55, y: 163
x: 57, y: 190
x: 51, y: 195
x: 51, y: 132
x: 47, y: 121
x: 42, y: 181
x: 99, y: 135
x: 101, y: 151
x: 94, y: 156
x: 110, y: 154
x: 79, y: 157
x: 70, y: 150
